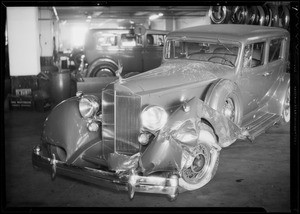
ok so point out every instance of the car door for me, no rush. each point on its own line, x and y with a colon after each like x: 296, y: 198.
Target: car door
x: 255, y: 80
x: 130, y: 53
x: 276, y: 61
x: 153, y: 51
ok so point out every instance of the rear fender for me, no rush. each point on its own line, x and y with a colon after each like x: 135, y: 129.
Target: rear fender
x: 276, y: 100
x: 64, y: 127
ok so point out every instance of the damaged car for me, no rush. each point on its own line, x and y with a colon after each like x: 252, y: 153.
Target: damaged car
x: 162, y: 131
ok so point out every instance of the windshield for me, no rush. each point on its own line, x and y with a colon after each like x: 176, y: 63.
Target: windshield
x: 202, y: 51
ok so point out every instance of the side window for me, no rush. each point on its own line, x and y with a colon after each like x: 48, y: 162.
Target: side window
x: 275, y: 50
x: 128, y: 40
x: 139, y: 40
x: 155, y: 39
x: 254, y: 55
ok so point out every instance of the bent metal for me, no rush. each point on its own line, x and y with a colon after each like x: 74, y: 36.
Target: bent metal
x: 162, y: 131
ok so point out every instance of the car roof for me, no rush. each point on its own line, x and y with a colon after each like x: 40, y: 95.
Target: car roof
x: 235, y: 32
x: 126, y: 30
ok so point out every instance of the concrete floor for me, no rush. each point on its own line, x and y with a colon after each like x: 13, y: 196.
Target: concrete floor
x: 249, y: 175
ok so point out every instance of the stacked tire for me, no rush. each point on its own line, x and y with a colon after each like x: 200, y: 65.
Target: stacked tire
x: 265, y: 15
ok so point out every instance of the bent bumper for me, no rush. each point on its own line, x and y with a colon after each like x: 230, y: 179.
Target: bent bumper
x: 130, y: 182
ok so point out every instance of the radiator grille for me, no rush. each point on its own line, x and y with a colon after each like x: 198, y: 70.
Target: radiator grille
x: 121, y: 123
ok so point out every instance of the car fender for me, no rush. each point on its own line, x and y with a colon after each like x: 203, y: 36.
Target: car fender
x: 99, y: 61
x: 165, y: 152
x: 64, y: 127
x: 275, y: 104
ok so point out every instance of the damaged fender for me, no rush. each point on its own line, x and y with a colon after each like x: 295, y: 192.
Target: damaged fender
x: 172, y: 148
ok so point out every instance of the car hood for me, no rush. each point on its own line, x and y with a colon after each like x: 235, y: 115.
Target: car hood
x: 173, y: 74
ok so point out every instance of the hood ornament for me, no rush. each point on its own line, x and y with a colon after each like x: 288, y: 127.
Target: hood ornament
x: 119, y: 71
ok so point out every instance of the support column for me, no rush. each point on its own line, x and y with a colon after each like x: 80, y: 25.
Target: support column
x: 23, y: 41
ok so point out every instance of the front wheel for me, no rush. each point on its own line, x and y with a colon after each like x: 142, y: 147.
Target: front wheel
x: 202, y: 162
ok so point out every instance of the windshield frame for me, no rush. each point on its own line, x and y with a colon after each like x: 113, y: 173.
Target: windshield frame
x: 217, y: 41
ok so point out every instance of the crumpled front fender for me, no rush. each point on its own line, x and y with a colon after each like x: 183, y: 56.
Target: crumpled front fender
x: 182, y: 130
x: 64, y: 127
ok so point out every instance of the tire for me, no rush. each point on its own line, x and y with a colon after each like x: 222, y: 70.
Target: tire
x: 262, y: 16
x: 203, y: 162
x: 225, y: 97
x: 284, y: 17
x: 252, y: 16
x: 219, y: 14
x: 268, y: 15
x: 286, y: 109
x: 102, y: 69
x: 239, y: 15
x: 274, y: 17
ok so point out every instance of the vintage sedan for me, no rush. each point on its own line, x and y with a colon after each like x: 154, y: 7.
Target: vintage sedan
x: 162, y: 131
x: 138, y: 49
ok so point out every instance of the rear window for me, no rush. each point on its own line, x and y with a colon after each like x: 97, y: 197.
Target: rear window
x: 155, y: 39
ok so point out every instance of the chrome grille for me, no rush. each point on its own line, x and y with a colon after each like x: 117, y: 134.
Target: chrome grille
x: 120, y: 126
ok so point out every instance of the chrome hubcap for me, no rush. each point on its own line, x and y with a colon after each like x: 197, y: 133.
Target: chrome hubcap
x: 201, y: 159
x: 105, y: 72
x: 228, y: 109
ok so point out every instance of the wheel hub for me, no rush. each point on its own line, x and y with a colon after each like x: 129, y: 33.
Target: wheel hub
x: 286, y: 107
x: 229, y: 110
x: 198, y: 163
x: 193, y: 173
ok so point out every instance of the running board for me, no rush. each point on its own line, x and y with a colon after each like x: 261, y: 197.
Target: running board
x: 260, y: 122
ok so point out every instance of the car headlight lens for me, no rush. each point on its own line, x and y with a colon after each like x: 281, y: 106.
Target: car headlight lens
x: 154, y: 118
x: 88, y: 106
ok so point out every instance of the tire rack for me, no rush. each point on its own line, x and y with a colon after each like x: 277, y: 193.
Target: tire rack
x: 268, y: 14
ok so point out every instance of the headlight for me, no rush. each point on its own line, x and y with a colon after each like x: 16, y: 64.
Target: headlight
x: 88, y: 106
x: 154, y: 118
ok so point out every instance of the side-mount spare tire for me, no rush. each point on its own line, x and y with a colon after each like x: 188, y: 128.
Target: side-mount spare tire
x: 224, y: 96
x: 102, y: 68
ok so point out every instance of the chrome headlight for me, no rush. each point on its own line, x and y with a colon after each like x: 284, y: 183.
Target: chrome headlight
x: 154, y: 118
x: 89, y: 106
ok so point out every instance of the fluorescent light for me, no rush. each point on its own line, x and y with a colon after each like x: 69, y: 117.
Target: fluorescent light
x: 55, y: 13
x: 155, y: 16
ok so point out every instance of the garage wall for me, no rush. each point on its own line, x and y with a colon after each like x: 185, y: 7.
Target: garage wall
x: 23, y: 41
x: 69, y: 32
x: 185, y: 22
x: 163, y: 23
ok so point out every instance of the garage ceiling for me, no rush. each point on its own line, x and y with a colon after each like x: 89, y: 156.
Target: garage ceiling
x: 128, y: 12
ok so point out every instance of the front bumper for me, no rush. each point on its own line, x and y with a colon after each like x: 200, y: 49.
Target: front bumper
x: 130, y: 182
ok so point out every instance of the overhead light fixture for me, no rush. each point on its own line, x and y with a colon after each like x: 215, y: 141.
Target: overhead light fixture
x: 55, y: 13
x: 88, y: 18
x: 155, y: 16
